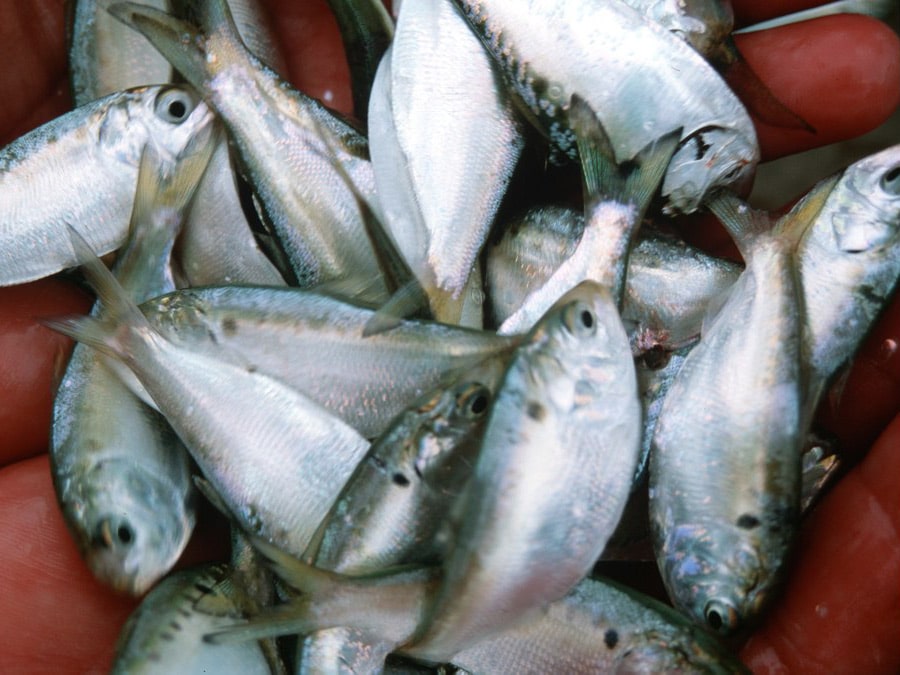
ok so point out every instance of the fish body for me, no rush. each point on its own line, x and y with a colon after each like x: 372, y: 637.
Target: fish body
x: 703, y: 24
x: 121, y: 475
x: 278, y: 133
x: 600, y: 627
x: 551, y: 480
x: 725, y: 458
x: 165, y: 633
x: 81, y: 170
x: 440, y: 78
x: 364, y: 381
x: 644, y: 83
x: 849, y: 263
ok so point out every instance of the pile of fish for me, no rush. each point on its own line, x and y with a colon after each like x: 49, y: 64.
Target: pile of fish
x: 429, y: 388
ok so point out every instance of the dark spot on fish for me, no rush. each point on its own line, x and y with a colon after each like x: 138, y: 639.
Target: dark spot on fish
x: 478, y: 405
x: 378, y: 462
x: 747, y: 521
x: 124, y: 533
x: 610, y: 638
x: 869, y: 293
x: 167, y: 636
x: 418, y: 471
x: 174, y: 624
x: 714, y: 619
x: 400, y: 479
x: 185, y: 613
x: 212, y: 337
x: 535, y: 411
x: 177, y: 109
x: 229, y: 326
x: 656, y: 358
x: 203, y: 588
x: 251, y: 369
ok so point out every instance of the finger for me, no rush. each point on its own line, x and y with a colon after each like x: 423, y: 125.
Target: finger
x: 33, y: 81
x: 841, y: 608
x: 32, y: 358
x: 54, y: 616
x: 840, y: 73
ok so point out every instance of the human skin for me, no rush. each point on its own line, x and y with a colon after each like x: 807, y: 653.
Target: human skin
x: 55, y: 618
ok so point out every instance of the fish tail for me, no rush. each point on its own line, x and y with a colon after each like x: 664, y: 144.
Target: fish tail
x: 631, y: 182
x: 287, y: 619
x: 180, y: 42
x: 119, y: 310
x: 743, y: 223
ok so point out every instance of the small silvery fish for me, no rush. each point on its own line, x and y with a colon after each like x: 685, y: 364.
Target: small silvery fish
x: 277, y: 132
x: 645, y: 83
x: 725, y: 459
x: 165, y: 633
x: 122, y: 478
x: 277, y: 459
x: 551, y: 480
x: 366, y: 381
x: 80, y: 171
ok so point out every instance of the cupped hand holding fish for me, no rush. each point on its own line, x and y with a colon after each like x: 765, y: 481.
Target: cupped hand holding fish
x: 45, y: 584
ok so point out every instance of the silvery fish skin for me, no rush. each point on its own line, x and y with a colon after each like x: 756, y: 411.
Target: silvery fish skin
x: 80, y: 170
x: 364, y: 381
x: 668, y: 285
x: 217, y: 245
x: 719, y: 146
x: 107, y: 57
x: 122, y: 478
x: 725, y: 459
x: 165, y: 633
x: 551, y: 480
x: 277, y: 459
x: 392, y: 508
x: 278, y: 134
x: 615, y: 202
x: 444, y: 101
x: 849, y: 263
x: 601, y: 627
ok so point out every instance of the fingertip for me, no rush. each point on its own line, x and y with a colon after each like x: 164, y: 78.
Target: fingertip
x: 839, y: 73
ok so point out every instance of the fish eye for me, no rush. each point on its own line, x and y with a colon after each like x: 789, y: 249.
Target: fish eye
x: 474, y: 400
x: 174, y: 105
x: 720, y: 616
x: 580, y: 320
x: 110, y: 535
x: 890, y: 182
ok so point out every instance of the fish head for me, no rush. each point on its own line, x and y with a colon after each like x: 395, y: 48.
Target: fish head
x: 171, y: 118
x: 867, y: 217
x: 721, y: 578
x: 130, y: 534
x: 707, y: 159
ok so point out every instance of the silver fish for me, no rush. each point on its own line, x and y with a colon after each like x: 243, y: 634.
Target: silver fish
x: 443, y: 100
x: 80, y: 170
x: 668, y: 284
x: 614, y: 208
x: 601, y: 627
x: 643, y: 83
x: 225, y: 415
x: 725, y: 460
x: 165, y: 633
x: 364, y: 381
x: 122, y: 478
x: 849, y: 263
x: 551, y: 480
x: 278, y: 134
x: 392, y: 508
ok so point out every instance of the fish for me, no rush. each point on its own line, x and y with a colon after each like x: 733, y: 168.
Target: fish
x: 849, y: 263
x: 643, y: 84
x: 436, y: 75
x: 277, y: 459
x: 164, y: 634
x: 366, y: 381
x: 551, y: 480
x: 276, y: 131
x: 80, y: 170
x: 614, y: 207
x: 725, y: 456
x: 122, y: 477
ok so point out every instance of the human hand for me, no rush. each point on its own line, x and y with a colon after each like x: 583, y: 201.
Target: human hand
x: 55, y: 617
